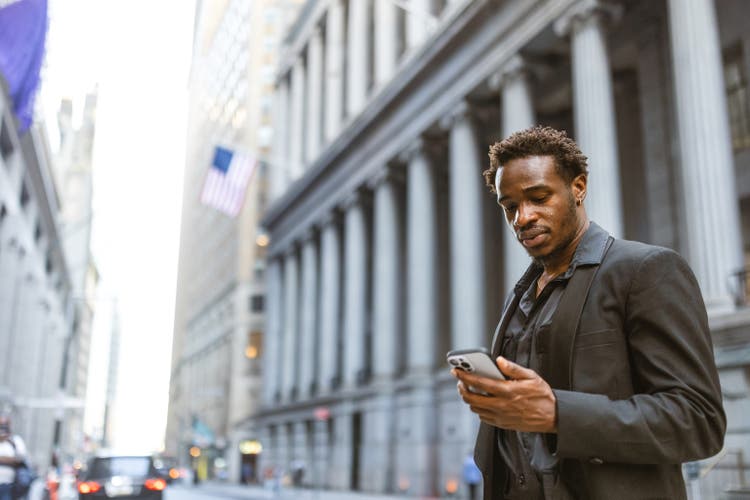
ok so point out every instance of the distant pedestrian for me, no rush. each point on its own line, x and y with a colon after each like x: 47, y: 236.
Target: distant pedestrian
x: 12, y: 455
x: 247, y: 473
x: 472, y: 475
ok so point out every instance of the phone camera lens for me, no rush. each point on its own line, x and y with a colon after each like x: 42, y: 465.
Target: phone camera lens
x: 465, y: 365
x: 453, y: 362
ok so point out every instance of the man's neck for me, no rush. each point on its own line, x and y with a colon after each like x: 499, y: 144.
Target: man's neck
x: 561, y: 262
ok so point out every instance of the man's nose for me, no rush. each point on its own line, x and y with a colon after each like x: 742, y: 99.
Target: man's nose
x: 524, y: 215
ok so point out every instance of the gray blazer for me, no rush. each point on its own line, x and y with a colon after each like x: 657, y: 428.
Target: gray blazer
x: 628, y: 354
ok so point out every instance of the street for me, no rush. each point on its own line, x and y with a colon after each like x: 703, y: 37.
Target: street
x: 180, y: 492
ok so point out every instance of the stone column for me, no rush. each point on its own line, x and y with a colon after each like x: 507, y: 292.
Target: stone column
x: 334, y: 87
x: 16, y: 300
x: 379, y: 438
x: 355, y: 287
x: 321, y: 454
x: 418, y: 19
x: 710, y: 202
x: 358, y: 58
x: 387, y: 274
x: 272, y: 365
x: 594, y: 109
x: 309, y: 315
x: 283, y: 445
x: 518, y: 114
x: 340, y: 473
x: 467, y: 192
x: 422, y: 247
x: 299, y: 449
x: 280, y: 156
x: 386, y: 55
x: 291, y: 326
x: 314, y: 95
x: 297, y: 138
x: 12, y: 257
x: 330, y: 303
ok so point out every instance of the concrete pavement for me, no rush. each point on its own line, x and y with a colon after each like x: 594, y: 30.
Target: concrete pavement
x: 285, y: 493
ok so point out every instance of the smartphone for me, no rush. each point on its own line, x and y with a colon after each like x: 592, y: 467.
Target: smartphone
x: 477, y: 360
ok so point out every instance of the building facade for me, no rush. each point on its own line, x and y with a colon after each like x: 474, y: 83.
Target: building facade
x: 219, y: 311
x: 387, y: 250
x: 72, y: 165
x: 36, y: 292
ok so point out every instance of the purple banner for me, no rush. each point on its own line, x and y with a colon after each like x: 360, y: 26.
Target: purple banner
x: 23, y: 29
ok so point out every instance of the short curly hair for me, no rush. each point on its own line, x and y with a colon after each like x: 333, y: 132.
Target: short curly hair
x: 537, y: 141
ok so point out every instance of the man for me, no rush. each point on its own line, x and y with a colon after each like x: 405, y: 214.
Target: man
x: 605, y: 342
x: 472, y: 475
x: 12, y: 453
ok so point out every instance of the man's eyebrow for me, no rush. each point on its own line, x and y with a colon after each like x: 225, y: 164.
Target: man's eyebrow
x: 535, y: 187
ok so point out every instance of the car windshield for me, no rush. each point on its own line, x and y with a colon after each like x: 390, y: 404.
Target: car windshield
x: 120, y: 466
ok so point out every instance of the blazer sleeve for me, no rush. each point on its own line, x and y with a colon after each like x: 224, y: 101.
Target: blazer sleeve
x: 675, y: 414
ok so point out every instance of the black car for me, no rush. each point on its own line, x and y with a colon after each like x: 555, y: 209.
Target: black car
x: 122, y: 477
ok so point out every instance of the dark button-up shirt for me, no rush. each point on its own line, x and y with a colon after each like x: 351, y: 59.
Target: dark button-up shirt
x: 526, y: 454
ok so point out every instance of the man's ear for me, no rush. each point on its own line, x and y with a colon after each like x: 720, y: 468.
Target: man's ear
x: 578, y: 187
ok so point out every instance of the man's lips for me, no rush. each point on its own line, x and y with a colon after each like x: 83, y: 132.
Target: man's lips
x: 531, y: 237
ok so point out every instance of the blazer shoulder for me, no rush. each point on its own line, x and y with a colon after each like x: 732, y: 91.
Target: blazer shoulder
x: 636, y: 252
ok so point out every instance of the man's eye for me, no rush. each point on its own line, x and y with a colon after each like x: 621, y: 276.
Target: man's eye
x: 509, y: 209
x: 540, y: 199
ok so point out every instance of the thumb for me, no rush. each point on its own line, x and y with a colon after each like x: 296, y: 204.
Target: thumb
x: 514, y: 371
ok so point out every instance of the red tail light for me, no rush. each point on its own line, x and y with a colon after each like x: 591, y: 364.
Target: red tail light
x: 89, y: 487
x: 155, y: 484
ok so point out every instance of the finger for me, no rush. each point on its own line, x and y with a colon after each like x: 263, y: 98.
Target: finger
x: 466, y: 377
x: 514, y: 371
x: 484, y: 384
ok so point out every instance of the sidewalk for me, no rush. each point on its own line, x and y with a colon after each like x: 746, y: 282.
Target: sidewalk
x: 259, y: 492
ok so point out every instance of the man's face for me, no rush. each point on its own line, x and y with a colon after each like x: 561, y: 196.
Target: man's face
x: 540, y: 205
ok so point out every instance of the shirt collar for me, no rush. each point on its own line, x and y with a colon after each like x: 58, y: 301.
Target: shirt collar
x: 590, y: 251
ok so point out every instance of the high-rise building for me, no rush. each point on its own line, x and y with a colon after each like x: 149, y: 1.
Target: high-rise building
x: 386, y: 250
x: 219, y: 311
x: 74, y: 175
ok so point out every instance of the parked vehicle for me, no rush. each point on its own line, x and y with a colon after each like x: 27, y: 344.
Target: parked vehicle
x: 121, y: 476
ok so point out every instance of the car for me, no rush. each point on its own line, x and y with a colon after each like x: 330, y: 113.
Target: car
x: 121, y: 477
x: 167, y: 467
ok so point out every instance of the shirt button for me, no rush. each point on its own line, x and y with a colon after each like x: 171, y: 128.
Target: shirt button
x: 522, y: 479
x: 596, y: 461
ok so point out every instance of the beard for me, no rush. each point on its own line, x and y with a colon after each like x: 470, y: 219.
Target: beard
x: 568, y: 229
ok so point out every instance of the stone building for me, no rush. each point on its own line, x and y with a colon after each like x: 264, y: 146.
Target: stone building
x: 37, y: 307
x: 220, y: 307
x: 386, y: 250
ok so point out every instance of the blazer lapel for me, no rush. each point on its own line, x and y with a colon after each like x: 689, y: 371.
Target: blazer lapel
x: 556, y: 364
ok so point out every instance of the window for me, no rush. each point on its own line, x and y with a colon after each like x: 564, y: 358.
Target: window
x: 24, y: 195
x: 6, y: 146
x: 253, y: 352
x: 254, y: 345
x: 738, y: 103
x: 257, y: 303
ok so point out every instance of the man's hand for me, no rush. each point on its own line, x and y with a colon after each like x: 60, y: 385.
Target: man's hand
x: 524, y: 403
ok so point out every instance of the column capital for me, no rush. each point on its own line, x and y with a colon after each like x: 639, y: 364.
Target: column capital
x: 308, y: 235
x: 358, y: 197
x: 416, y: 147
x: 461, y: 111
x: 291, y: 250
x: 584, y: 12
x: 513, y: 68
x: 385, y: 174
x: 330, y: 218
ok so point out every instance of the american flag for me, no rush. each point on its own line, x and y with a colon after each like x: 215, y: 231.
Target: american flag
x: 226, y: 181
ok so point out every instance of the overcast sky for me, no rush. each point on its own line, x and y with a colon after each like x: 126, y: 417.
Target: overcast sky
x: 137, y: 53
